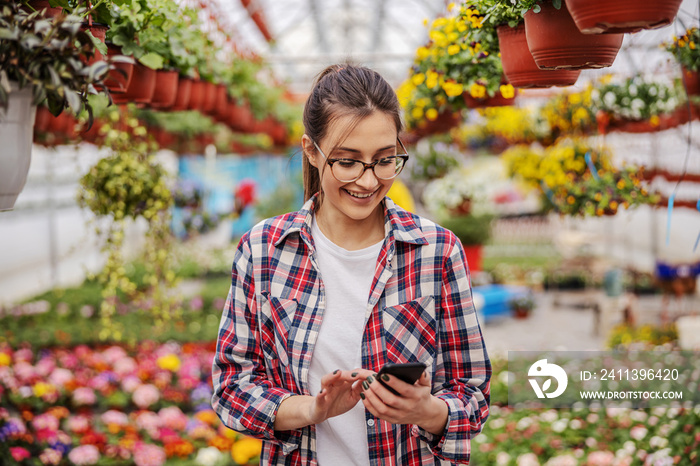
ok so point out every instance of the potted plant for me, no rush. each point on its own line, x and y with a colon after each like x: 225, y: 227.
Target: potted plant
x: 556, y: 43
x: 522, y: 306
x: 621, y: 16
x: 40, y: 60
x: 686, y: 51
x: 473, y: 232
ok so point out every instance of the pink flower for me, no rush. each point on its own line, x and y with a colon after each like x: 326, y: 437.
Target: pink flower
x: 24, y: 371
x: 50, y: 457
x: 115, y: 417
x: 84, y: 455
x: 19, y: 453
x: 45, y: 422
x: 600, y: 458
x: 78, y: 424
x: 148, y: 421
x: 113, y: 354
x: 45, y: 366
x: 68, y: 360
x: 130, y: 383
x: 60, y: 377
x: 24, y: 354
x: 84, y: 396
x: 146, y: 395
x: 173, y: 417
x: 149, y: 455
x: 125, y: 366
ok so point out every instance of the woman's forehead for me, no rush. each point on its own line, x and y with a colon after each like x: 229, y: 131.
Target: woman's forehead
x: 375, y: 131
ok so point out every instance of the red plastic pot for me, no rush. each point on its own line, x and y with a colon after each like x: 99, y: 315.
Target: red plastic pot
x: 141, y: 87
x: 556, y: 43
x: 221, y: 104
x: 98, y: 31
x: 210, y: 90
x: 473, y: 252
x: 519, y: 66
x: 620, y: 16
x: 39, y: 5
x: 118, y: 79
x: 182, y: 98
x: 691, y: 81
x: 41, y: 121
x: 241, y: 118
x: 496, y: 101
x: 166, y: 89
x: 196, y: 95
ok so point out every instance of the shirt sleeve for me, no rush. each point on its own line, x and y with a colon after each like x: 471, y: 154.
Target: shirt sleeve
x: 463, y: 370
x: 244, y: 398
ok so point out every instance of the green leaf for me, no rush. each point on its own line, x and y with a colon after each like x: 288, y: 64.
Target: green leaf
x: 152, y: 60
x: 55, y: 78
x: 73, y: 99
x: 537, y: 8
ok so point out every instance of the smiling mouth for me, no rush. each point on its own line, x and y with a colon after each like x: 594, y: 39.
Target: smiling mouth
x: 360, y: 196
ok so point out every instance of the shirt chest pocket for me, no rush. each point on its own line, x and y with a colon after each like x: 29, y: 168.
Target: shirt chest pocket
x: 410, y: 331
x: 277, y: 328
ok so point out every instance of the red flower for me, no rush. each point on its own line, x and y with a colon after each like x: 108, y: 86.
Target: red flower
x: 245, y: 192
x: 19, y: 453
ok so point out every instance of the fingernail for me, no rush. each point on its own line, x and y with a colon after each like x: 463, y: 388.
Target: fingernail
x: 376, y: 375
x: 385, y: 377
x: 370, y: 379
x: 365, y: 385
x: 335, y: 371
x: 354, y: 374
x: 362, y: 395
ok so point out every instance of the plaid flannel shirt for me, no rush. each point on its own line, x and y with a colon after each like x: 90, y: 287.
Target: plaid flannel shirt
x: 419, y: 309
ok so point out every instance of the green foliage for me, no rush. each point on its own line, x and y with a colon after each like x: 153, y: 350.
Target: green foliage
x: 686, y: 49
x: 624, y: 335
x: 470, y: 229
x: 434, y: 163
x: 284, y: 199
x: 50, y: 55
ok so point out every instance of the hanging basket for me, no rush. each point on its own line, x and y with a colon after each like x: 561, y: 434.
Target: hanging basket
x: 39, y: 5
x: 165, y: 90
x: 519, y: 66
x: 141, y: 87
x: 209, y: 99
x: 496, y: 101
x: 691, y: 81
x: 473, y: 253
x: 241, y: 118
x: 182, y: 98
x: 556, y: 43
x: 118, y: 79
x: 16, y: 134
x: 221, y: 104
x: 99, y: 32
x: 620, y: 16
x: 196, y: 95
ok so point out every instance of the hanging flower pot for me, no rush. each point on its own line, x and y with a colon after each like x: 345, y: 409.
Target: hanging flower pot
x: 98, y: 31
x: 166, y: 89
x: 118, y: 79
x: 196, y: 95
x: 498, y: 100
x: 691, y: 81
x: 277, y: 132
x: 556, y: 43
x: 182, y: 98
x: 241, y: 118
x: 519, y: 66
x: 39, y: 5
x: 221, y: 104
x: 16, y: 134
x: 473, y: 253
x: 42, y: 120
x: 620, y: 16
x: 210, y: 90
x: 141, y: 87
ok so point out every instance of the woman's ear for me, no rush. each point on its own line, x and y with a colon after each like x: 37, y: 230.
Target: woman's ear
x: 310, y: 151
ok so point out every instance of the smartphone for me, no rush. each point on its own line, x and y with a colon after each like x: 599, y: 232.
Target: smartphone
x: 409, y: 372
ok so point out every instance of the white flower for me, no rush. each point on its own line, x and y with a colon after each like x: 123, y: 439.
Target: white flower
x: 638, y: 432
x: 576, y: 424
x: 497, y: 423
x: 658, y: 442
x: 527, y: 459
x: 609, y: 99
x: 560, y: 425
x: 208, y: 456
x: 563, y: 460
x: 502, y: 458
x: 549, y: 416
x: 524, y: 423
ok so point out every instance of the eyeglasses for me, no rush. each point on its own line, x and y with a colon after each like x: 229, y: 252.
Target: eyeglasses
x: 349, y: 170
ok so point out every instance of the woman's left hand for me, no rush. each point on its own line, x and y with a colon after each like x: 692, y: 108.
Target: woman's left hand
x: 414, y: 405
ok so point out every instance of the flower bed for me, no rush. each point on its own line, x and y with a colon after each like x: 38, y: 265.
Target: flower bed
x: 146, y: 405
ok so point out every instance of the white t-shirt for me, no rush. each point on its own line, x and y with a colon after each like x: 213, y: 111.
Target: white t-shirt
x: 347, y: 278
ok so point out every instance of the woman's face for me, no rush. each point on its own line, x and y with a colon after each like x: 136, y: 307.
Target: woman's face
x: 372, y: 138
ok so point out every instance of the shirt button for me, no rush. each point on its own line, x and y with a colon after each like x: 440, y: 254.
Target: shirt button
x: 370, y: 423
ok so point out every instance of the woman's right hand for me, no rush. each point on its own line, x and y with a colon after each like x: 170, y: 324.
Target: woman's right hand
x: 340, y: 392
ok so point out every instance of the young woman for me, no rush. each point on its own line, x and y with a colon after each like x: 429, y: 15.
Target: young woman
x: 322, y: 298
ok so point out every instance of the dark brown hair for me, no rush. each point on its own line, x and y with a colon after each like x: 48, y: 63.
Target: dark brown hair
x: 338, y: 91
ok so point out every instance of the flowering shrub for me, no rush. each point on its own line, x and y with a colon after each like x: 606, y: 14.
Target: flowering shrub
x: 685, y: 49
x: 636, y: 99
x: 570, y: 112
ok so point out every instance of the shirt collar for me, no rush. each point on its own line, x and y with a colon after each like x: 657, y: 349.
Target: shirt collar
x: 398, y: 223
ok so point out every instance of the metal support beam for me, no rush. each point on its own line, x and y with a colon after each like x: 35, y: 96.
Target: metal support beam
x: 320, y: 27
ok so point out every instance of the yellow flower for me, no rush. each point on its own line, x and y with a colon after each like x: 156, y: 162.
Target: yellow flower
x: 450, y: 6
x: 654, y: 120
x: 507, y: 91
x: 422, y: 53
x: 621, y: 184
x: 417, y: 113
x: 401, y: 196
x: 418, y: 79
x: 477, y: 91
x: 453, y: 89
x: 691, y: 45
x: 431, y: 114
x: 453, y: 49
x: 425, y: 21
x: 574, y: 98
x: 461, y: 27
x: 5, y: 359
x: 614, y: 205
x: 169, y: 362
x: 42, y: 388
x: 431, y: 79
x: 246, y: 449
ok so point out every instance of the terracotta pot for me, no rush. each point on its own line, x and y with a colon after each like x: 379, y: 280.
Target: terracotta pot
x: 99, y: 32
x: 519, y: 66
x: 196, y: 95
x: 38, y: 5
x: 141, y: 87
x: 163, y: 138
x: 241, y: 118
x: 620, y: 16
x: 182, y: 98
x: 210, y: 90
x: 473, y: 253
x: 166, y: 89
x: 691, y: 81
x: 118, y: 79
x: 92, y: 135
x: 221, y: 104
x: 278, y: 133
x: 42, y: 119
x: 496, y: 101
x: 521, y: 312
x: 556, y: 43
x: 464, y: 208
